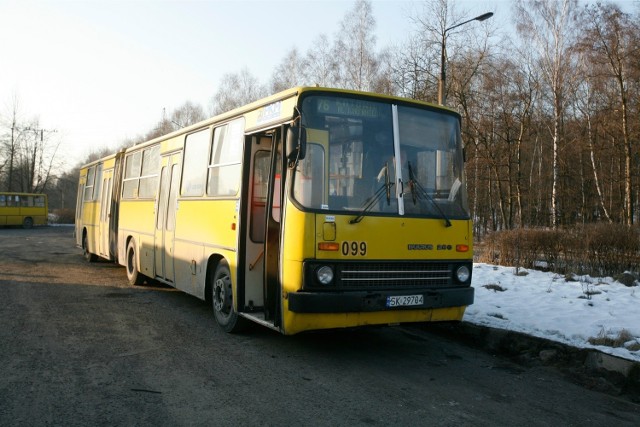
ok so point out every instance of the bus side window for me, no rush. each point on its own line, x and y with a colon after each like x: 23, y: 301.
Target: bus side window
x: 194, y: 172
x: 149, y: 174
x: 226, y: 156
x: 88, y: 188
x: 3, y: 201
x: 131, y: 176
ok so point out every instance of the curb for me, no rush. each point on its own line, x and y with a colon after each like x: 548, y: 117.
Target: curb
x: 589, y: 367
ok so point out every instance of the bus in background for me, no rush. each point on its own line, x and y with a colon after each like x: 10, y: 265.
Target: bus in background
x: 312, y: 209
x: 97, y: 208
x: 25, y: 209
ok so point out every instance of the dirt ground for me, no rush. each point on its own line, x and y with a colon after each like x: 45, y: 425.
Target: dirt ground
x: 52, y: 257
x: 79, y: 346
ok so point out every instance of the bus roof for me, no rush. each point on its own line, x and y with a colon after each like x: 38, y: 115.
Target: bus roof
x: 263, y: 102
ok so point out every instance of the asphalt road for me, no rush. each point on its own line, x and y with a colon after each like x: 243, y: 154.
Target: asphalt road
x: 78, y: 346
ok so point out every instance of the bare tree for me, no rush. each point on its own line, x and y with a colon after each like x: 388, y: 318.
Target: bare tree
x: 587, y: 107
x: 611, y: 41
x: 547, y: 26
x: 415, y: 70
x: 290, y: 72
x: 9, y: 152
x: 321, y: 64
x: 183, y: 116
x: 37, y: 158
x: 431, y: 24
x: 163, y: 127
x: 187, y: 114
x: 355, y: 44
x: 235, y: 90
x: 28, y: 154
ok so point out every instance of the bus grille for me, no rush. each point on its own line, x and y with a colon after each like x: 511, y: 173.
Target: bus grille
x: 385, y: 275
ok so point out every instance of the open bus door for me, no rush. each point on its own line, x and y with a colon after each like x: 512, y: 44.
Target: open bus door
x: 273, y: 233
x: 258, y: 292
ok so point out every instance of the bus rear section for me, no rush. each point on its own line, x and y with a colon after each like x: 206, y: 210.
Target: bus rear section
x: 97, y: 207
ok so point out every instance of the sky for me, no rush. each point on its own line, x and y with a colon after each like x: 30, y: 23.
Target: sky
x: 99, y: 72
x: 545, y: 305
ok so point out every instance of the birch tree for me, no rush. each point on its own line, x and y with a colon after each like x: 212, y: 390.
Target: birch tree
x: 547, y: 25
x: 611, y: 42
x: 235, y: 90
x: 355, y: 46
x: 321, y: 64
x: 290, y: 72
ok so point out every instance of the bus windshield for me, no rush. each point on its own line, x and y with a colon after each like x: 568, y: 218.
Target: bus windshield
x: 379, y: 158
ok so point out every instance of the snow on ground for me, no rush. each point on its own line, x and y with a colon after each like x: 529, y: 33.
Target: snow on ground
x: 546, y: 305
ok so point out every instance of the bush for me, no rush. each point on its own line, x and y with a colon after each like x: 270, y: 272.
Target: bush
x: 62, y: 216
x: 594, y: 249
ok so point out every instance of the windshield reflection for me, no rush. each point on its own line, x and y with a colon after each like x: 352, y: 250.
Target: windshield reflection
x: 351, y: 164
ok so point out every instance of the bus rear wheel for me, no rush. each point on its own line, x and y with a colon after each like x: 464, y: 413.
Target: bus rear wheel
x: 27, y: 222
x: 135, y: 277
x: 85, y: 250
x: 222, y: 300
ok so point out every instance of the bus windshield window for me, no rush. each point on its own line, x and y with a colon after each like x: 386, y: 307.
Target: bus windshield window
x: 350, y: 163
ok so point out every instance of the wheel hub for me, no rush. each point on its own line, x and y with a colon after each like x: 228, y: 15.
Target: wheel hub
x: 221, y: 297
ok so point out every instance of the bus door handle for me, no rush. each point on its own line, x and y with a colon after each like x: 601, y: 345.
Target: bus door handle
x: 254, y: 263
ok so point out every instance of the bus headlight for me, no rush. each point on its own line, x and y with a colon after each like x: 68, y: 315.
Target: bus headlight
x: 463, y: 273
x: 324, y: 274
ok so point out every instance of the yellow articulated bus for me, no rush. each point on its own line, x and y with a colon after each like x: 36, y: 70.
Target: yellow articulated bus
x: 25, y: 209
x: 311, y: 209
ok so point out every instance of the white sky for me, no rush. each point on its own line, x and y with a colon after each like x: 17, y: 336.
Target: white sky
x: 101, y: 71
x: 547, y: 306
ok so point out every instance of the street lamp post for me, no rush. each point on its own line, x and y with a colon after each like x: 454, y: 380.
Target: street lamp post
x: 442, y: 98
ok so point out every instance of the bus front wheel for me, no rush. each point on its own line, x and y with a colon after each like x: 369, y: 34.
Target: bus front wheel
x: 135, y: 277
x: 222, y: 299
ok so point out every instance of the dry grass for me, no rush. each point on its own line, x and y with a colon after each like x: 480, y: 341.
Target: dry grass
x: 616, y: 341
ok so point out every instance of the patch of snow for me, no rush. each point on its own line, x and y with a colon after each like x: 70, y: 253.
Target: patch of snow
x: 546, y: 305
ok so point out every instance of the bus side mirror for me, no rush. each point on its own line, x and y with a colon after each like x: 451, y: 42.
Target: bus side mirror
x: 296, y: 144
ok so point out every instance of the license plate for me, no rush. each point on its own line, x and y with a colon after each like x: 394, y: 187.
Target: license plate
x: 405, y: 300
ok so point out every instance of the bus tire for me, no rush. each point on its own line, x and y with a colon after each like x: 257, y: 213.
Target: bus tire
x: 27, y: 222
x: 85, y: 250
x: 222, y: 300
x: 135, y: 277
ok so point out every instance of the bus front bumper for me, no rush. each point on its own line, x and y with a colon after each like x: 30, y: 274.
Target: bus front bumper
x: 367, y: 301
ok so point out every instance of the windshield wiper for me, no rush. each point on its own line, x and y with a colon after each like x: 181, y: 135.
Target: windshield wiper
x: 373, y: 200
x: 413, y: 185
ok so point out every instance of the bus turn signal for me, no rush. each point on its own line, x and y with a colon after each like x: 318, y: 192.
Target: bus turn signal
x: 328, y: 246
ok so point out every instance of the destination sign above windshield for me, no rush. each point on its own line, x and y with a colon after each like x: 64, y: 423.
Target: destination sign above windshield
x: 350, y: 107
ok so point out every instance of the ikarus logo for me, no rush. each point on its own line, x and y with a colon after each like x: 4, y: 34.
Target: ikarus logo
x: 420, y: 247
x: 428, y: 247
